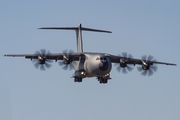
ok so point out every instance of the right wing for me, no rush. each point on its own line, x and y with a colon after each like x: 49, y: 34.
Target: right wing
x: 53, y: 56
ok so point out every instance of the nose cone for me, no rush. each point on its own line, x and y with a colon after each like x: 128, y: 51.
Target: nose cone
x: 103, y: 65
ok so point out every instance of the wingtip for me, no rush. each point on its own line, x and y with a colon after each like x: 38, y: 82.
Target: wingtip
x: 43, y: 28
x: 173, y: 64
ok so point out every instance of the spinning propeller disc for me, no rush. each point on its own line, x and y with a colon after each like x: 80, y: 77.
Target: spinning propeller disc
x: 152, y: 68
x: 42, y: 63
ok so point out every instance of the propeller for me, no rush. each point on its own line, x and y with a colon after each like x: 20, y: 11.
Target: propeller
x: 147, y: 68
x: 42, y: 63
x: 66, y: 63
x: 123, y: 66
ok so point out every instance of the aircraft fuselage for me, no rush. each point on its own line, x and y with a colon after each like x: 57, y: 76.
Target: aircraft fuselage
x: 93, y: 65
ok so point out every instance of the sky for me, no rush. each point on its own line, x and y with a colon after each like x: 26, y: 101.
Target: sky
x: 140, y: 27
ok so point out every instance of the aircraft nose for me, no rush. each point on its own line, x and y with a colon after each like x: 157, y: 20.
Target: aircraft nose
x: 103, y: 65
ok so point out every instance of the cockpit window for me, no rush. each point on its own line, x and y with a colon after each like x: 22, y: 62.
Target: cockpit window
x: 97, y: 58
x: 101, y: 58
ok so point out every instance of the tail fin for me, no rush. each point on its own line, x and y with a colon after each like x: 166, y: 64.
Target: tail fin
x: 78, y: 30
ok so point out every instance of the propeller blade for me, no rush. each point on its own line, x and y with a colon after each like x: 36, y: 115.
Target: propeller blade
x: 139, y: 69
x: 150, y: 72
x: 150, y: 58
x: 47, y: 65
x: 43, y: 51
x: 49, y: 61
x: 36, y: 65
x: 129, y: 68
x: 60, y: 63
x: 118, y: 68
x: 143, y: 57
x: 65, y: 52
x: 144, y: 73
x: 65, y: 67
x: 130, y: 56
x: 124, y: 54
x: 42, y: 67
x: 37, y: 53
x: 154, y: 68
x: 124, y: 70
x: 71, y: 51
x: 70, y: 67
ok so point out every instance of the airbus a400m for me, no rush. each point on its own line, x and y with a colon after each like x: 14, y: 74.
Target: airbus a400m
x: 87, y: 64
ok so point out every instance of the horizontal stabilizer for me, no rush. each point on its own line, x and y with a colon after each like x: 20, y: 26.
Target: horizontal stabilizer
x: 75, y: 28
x: 60, y: 28
x: 95, y: 30
x: 78, y: 31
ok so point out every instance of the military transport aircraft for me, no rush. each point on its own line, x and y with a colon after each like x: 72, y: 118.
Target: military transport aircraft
x: 88, y: 64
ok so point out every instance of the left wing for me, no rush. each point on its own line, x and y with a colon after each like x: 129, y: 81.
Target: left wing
x: 126, y: 60
x: 147, y: 63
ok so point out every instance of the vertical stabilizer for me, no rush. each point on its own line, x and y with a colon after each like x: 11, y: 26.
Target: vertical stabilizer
x: 79, y: 38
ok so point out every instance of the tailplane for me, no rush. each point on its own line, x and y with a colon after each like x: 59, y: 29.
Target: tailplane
x: 78, y: 30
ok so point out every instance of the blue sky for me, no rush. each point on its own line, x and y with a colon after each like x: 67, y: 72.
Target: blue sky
x: 138, y: 27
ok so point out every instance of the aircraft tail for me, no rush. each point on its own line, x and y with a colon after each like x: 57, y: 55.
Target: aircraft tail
x: 78, y: 30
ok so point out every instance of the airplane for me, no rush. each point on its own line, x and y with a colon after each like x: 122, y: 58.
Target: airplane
x: 89, y: 64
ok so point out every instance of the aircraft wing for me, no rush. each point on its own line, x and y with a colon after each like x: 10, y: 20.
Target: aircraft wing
x: 54, y: 56
x: 150, y: 61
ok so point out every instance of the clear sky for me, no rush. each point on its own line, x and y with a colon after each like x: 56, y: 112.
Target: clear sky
x: 139, y: 27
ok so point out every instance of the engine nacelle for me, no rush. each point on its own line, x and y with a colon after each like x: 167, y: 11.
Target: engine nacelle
x: 123, y: 63
x: 41, y: 60
x: 66, y: 60
x: 145, y: 67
